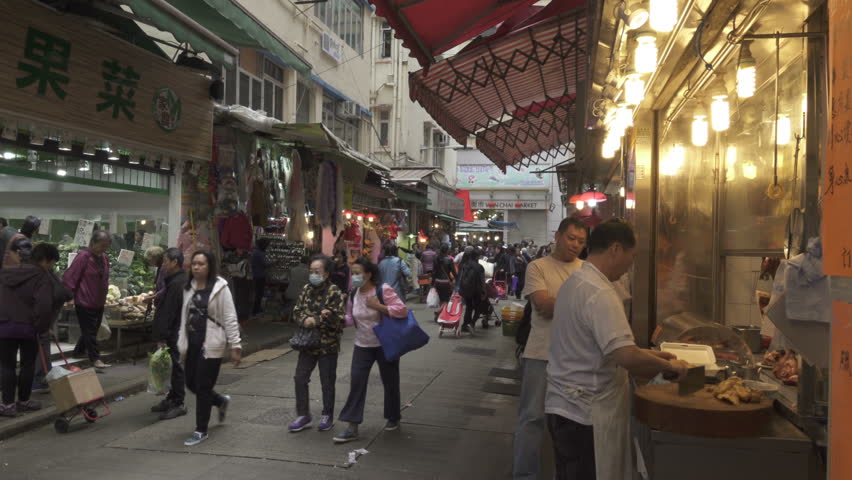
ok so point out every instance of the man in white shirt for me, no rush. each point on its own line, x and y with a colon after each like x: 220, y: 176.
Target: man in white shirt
x: 543, y: 279
x: 592, y: 350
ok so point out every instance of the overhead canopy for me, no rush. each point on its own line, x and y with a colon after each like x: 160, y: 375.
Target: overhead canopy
x: 515, y: 93
x: 429, y: 27
x: 319, y: 138
x: 225, y: 19
x: 410, y: 175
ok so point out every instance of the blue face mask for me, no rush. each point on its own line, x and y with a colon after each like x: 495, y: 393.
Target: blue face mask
x: 357, y: 281
x: 316, y: 279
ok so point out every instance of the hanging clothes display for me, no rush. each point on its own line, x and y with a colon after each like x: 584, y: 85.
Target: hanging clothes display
x: 296, y: 199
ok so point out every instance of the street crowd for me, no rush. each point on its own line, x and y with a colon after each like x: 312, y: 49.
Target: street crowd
x: 577, y: 353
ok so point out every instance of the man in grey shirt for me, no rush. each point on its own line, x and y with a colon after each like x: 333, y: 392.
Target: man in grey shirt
x: 592, y: 350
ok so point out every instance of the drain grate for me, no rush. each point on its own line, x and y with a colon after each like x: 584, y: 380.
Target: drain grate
x: 275, y: 417
x: 228, y: 378
x: 510, y: 389
x: 484, y: 352
x: 505, y: 373
x: 479, y: 411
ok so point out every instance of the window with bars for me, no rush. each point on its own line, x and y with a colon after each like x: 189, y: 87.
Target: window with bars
x: 384, y: 126
x: 345, y: 18
x: 266, y: 93
x: 387, y: 40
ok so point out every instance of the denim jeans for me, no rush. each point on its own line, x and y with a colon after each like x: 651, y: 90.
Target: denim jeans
x: 531, y: 420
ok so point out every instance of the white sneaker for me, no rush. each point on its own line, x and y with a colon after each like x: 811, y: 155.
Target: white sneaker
x: 100, y: 364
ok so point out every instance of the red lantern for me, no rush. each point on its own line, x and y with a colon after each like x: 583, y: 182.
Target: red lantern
x: 347, y: 214
x: 371, y: 218
x: 593, y: 198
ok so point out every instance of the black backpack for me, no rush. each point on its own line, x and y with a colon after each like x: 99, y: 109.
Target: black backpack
x: 523, y: 333
x: 468, y: 281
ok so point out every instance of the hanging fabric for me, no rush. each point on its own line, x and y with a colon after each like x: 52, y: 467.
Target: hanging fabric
x: 296, y: 201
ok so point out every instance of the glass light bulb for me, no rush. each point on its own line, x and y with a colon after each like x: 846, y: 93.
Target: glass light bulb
x: 784, y: 131
x: 310, y: 235
x: 645, y: 57
x: 593, y: 203
x: 663, y: 15
x: 746, y: 80
x: 623, y: 119
x: 630, y: 204
x: 720, y: 113
x: 750, y: 171
x: 700, y: 131
x: 634, y: 89
x: 580, y: 204
x: 496, y: 239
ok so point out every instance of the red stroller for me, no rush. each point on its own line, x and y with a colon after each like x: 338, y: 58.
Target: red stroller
x: 451, y: 315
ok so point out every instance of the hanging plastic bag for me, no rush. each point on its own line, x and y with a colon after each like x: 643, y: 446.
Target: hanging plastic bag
x: 433, y: 300
x: 104, y: 331
x: 160, y: 367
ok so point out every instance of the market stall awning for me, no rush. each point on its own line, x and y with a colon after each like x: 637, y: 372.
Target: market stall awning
x: 430, y: 27
x: 516, y: 93
x: 224, y: 18
x: 410, y: 175
x: 318, y: 137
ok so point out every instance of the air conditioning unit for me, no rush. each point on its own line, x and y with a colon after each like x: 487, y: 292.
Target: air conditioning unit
x: 347, y: 109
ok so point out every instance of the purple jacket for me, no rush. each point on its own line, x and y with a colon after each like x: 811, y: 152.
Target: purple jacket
x: 87, y: 281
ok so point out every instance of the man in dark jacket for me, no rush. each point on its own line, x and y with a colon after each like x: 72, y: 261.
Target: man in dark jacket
x: 166, y: 328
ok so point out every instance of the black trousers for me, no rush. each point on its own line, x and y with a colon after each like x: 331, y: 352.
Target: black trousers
x: 472, y: 309
x: 573, y: 448
x: 259, y: 288
x: 201, y: 375
x: 328, y: 376
x: 177, y: 391
x: 90, y: 322
x: 9, y: 379
x: 362, y: 362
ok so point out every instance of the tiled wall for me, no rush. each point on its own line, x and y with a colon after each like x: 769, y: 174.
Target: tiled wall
x: 741, y: 281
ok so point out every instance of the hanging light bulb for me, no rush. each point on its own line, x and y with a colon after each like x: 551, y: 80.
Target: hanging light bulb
x: 750, y: 171
x: 663, y: 15
x: 634, y: 89
x: 579, y: 204
x: 720, y: 109
x: 621, y: 192
x: 310, y: 234
x: 746, y: 73
x: 645, y: 56
x: 784, y: 132
x: 637, y: 14
x: 623, y: 119
x: 700, y: 126
x: 497, y: 238
x: 731, y: 163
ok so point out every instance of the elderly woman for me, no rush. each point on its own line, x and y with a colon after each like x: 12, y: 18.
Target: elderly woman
x: 319, y: 306
x: 154, y: 258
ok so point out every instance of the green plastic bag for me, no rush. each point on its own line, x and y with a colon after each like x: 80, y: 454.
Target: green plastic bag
x: 160, y: 366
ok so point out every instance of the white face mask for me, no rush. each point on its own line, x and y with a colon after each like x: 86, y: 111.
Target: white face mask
x: 316, y: 279
x: 357, y: 281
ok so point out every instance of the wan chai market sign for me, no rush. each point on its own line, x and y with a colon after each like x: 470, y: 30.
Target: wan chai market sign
x: 58, y: 71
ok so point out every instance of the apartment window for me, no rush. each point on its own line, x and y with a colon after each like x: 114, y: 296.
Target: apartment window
x: 266, y: 93
x: 384, y: 126
x: 345, y: 18
x: 346, y: 127
x: 304, y: 103
x: 439, y: 143
x: 387, y: 40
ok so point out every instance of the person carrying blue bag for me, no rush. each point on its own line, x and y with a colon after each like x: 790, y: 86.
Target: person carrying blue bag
x: 371, y: 305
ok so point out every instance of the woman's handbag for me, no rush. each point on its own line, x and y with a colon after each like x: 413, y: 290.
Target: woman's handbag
x: 306, y: 339
x: 398, y: 336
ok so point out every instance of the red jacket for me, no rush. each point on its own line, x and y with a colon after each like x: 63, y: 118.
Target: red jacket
x: 86, y: 281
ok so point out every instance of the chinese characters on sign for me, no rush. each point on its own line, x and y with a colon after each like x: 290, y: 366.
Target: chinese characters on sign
x: 840, y: 419
x: 84, y: 232
x: 45, y: 57
x: 837, y: 189
x: 167, y: 109
x: 119, y: 89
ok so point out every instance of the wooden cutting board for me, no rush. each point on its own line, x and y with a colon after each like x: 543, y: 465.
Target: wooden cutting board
x: 700, y: 414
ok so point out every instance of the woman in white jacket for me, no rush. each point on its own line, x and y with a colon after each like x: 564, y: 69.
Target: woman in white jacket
x: 208, y: 327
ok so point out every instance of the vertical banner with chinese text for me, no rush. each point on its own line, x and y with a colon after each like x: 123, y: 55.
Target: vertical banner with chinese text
x: 837, y: 180
x: 840, y: 415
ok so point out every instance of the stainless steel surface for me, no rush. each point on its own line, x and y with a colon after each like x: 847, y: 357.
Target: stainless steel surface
x: 751, y: 336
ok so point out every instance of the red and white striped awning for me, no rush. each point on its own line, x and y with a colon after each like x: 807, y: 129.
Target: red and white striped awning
x: 515, y: 93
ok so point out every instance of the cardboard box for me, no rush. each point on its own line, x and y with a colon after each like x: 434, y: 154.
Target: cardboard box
x: 76, y: 389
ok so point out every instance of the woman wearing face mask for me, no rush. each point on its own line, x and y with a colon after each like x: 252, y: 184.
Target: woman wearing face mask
x: 319, y: 306
x: 364, y: 309
x: 208, y: 327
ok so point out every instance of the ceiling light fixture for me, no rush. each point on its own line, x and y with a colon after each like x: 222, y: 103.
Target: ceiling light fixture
x: 746, y: 73
x: 645, y: 56
x: 663, y: 15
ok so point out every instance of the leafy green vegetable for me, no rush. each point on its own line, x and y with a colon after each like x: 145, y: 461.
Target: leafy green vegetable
x: 160, y: 366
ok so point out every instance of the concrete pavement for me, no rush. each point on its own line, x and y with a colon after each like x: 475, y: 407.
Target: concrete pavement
x: 460, y: 409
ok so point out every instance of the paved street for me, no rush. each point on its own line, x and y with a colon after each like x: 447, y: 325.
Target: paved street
x: 459, y: 412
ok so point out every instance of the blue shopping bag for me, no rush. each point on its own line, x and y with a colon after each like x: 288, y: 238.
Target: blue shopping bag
x: 399, y: 336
